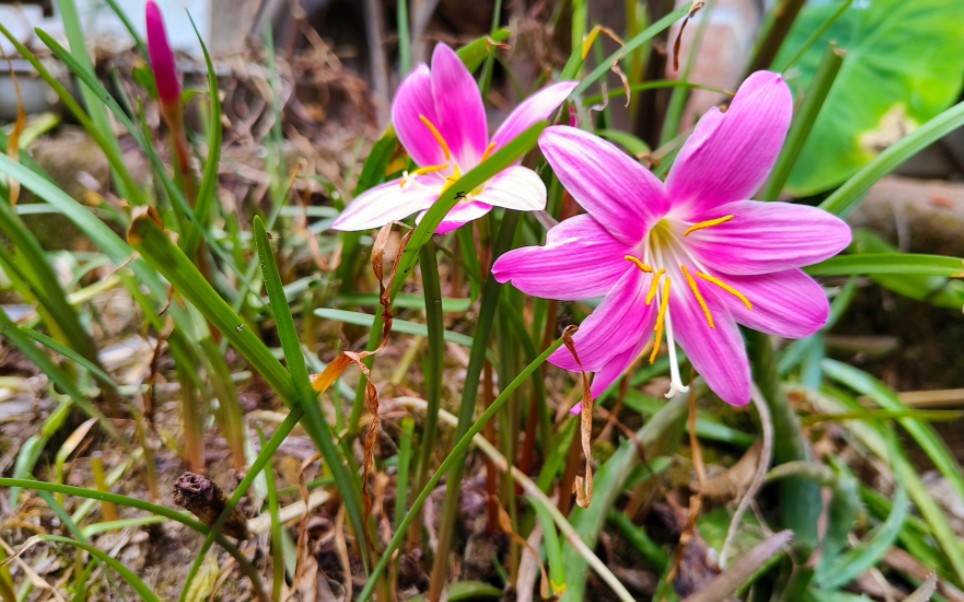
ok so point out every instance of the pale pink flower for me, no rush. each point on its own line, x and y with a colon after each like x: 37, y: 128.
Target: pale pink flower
x: 440, y: 120
x: 162, y: 58
x: 687, y: 259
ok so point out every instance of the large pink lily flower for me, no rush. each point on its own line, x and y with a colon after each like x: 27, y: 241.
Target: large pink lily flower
x: 440, y: 120
x: 687, y: 259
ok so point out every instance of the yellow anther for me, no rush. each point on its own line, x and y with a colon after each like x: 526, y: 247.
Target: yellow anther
x: 654, y: 286
x: 639, y: 264
x: 707, y: 224
x: 727, y: 288
x: 661, y: 320
x: 488, y: 151
x: 438, y: 137
x: 699, y: 297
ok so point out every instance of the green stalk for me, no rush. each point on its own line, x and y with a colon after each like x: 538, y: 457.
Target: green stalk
x: 457, y: 455
x: 470, y: 392
x: 800, y: 502
x: 434, y: 360
x: 404, y: 39
x: 804, y: 120
x: 775, y: 32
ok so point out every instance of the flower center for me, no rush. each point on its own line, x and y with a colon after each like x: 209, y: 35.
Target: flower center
x: 450, y: 165
x: 666, y: 255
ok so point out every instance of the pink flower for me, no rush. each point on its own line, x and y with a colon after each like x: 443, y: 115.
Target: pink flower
x: 162, y: 58
x: 440, y: 120
x: 687, y: 259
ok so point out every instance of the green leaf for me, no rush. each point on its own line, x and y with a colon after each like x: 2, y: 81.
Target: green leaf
x: 888, y: 263
x: 398, y: 326
x: 128, y: 575
x: 904, y: 65
x: 856, y: 561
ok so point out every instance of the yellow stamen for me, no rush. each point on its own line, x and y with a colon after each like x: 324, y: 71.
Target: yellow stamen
x: 707, y: 224
x: 727, y: 288
x: 488, y: 151
x: 438, y: 137
x: 654, y: 286
x: 699, y: 297
x: 639, y: 264
x: 660, y: 320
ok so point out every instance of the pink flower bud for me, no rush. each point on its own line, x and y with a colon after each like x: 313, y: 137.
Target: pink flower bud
x: 162, y: 58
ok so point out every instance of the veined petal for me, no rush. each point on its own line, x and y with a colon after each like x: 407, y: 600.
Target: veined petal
x: 538, y: 107
x: 718, y: 354
x: 459, y: 107
x: 413, y: 101
x: 388, y: 202
x: 769, y: 237
x: 788, y: 304
x: 580, y: 260
x: 459, y: 215
x: 623, y: 196
x: 729, y: 155
x: 515, y: 187
x: 615, y: 367
x: 620, y: 322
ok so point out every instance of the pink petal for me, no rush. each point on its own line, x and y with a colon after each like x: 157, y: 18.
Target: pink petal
x: 386, y: 203
x: 615, y: 368
x: 459, y: 107
x: 162, y: 57
x: 538, y: 107
x: 788, y: 304
x: 730, y: 155
x: 579, y: 261
x: 413, y: 101
x: 769, y: 237
x: 620, y: 322
x: 515, y: 187
x: 718, y: 354
x: 461, y: 214
x: 623, y: 196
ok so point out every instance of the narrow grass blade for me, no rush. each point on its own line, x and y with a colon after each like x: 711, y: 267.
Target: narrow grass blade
x: 870, y: 264
x: 852, y: 191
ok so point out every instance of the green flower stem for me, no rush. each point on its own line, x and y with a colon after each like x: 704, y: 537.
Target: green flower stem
x: 776, y: 30
x: 800, y: 502
x: 456, y: 456
x: 804, y: 120
x: 434, y: 360
x: 470, y: 392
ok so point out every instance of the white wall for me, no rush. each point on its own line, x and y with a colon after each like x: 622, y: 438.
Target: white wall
x: 101, y: 24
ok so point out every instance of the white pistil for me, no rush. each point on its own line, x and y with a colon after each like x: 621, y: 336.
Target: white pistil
x: 676, y: 385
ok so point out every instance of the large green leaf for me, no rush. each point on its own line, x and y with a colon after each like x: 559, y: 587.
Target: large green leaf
x: 904, y: 65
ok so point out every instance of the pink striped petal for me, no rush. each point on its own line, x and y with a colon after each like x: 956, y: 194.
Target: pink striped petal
x: 615, y: 368
x: 515, y: 187
x: 386, y: 203
x: 788, y: 304
x: 768, y: 237
x: 538, y: 107
x: 413, y: 101
x: 579, y: 261
x: 729, y: 155
x: 460, y: 215
x: 623, y: 196
x: 459, y: 107
x: 718, y: 354
x: 620, y: 321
